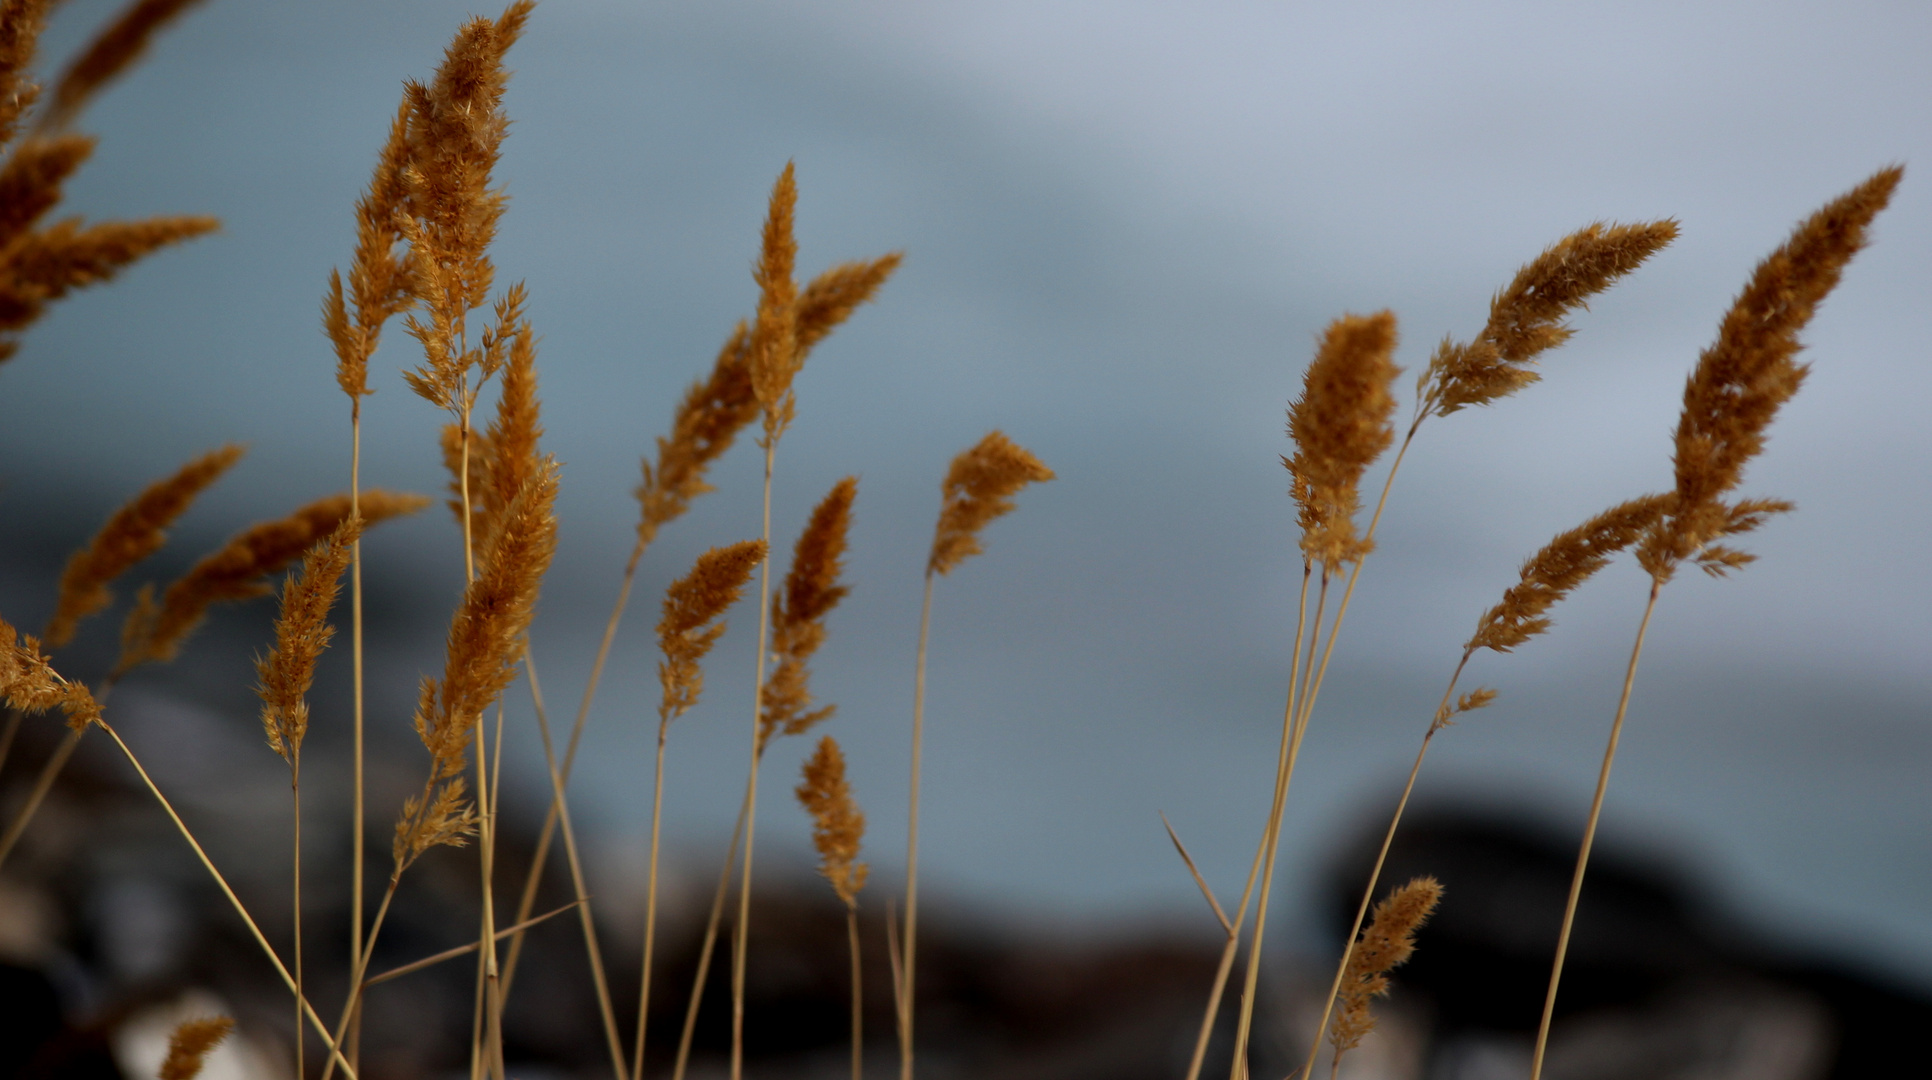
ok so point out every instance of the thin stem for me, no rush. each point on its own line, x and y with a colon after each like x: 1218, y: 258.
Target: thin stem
x: 356, y: 853
x: 295, y: 788
x: 650, y: 901
x: 544, y: 836
x: 1233, y: 945
x: 1284, y: 775
x: 1375, y: 872
x: 352, y: 1008
x: 910, y: 951
x: 710, y: 944
x: 893, y: 960
x: 742, y: 932
x: 584, y: 917
x: 461, y: 950
x: 1590, y: 833
x: 858, y: 993
x: 287, y: 979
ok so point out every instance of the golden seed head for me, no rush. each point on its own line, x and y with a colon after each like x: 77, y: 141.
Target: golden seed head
x: 979, y: 486
x: 837, y: 824
x: 1386, y: 944
x: 190, y: 1045
x: 798, y: 612
x: 692, y: 605
x: 1340, y: 425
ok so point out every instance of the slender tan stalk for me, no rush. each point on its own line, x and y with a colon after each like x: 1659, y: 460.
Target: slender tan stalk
x: 858, y: 993
x: 288, y: 980
x: 908, y: 952
x: 14, y: 719
x: 741, y: 932
x: 709, y: 944
x: 357, y: 841
x: 43, y: 784
x: 1292, y: 729
x: 650, y: 903
x: 351, y: 1008
x: 463, y: 950
x: 582, y: 902
x: 1590, y: 834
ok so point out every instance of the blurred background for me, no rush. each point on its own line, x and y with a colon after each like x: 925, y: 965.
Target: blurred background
x: 1124, y: 226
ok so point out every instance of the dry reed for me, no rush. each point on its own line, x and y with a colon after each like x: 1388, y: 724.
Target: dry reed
x: 1386, y: 945
x: 1731, y: 397
x: 190, y: 1045
x: 119, y: 46
x: 135, y: 531
x: 837, y: 829
x: 979, y: 487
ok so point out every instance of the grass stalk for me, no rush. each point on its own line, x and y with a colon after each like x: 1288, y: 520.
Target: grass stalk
x: 545, y: 836
x: 462, y: 950
x: 1590, y: 834
x: 1375, y: 871
x: 909, y: 952
x: 295, y: 789
x: 1293, y: 717
x: 44, y: 783
x: 352, y: 1008
x: 650, y: 901
x: 288, y: 980
x: 356, y: 842
x: 582, y: 899
x: 14, y: 718
x: 709, y: 945
x: 742, y: 931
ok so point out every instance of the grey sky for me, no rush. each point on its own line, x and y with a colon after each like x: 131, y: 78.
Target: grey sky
x: 1126, y: 223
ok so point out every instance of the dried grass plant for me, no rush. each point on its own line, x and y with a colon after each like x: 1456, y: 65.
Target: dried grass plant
x: 423, y: 233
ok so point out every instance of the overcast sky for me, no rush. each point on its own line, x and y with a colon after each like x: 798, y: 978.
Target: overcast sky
x: 1125, y: 224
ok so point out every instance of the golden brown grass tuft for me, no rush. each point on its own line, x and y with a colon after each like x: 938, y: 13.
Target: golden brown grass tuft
x: 1340, y: 425
x: 689, y: 628
x: 155, y: 631
x: 837, y: 824
x: 41, y: 266
x: 136, y: 531
x: 116, y: 48
x: 1563, y: 564
x: 380, y: 283
x: 190, y: 1045
x: 20, y: 24
x: 1388, y: 942
x: 831, y: 297
x: 485, y: 646
x: 1526, y: 317
x: 979, y: 486
x: 1746, y: 375
x: 301, y: 633
x: 798, y: 613
x: 775, y: 353
x: 29, y: 683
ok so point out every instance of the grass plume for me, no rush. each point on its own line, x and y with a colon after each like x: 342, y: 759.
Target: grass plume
x: 837, y: 829
x: 798, y: 612
x: 117, y: 47
x: 190, y: 1045
x: 29, y: 683
x: 155, y: 631
x: 1386, y: 945
x: 1340, y: 425
x: 135, y: 531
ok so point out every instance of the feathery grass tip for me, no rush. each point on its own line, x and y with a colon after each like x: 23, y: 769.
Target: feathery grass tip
x: 1340, y: 425
x: 690, y: 624
x: 136, y: 531
x: 1386, y: 944
x: 1746, y: 375
x: 798, y: 613
x: 837, y: 824
x: 1526, y: 317
x: 29, y: 683
x: 190, y: 1045
x: 979, y: 486
x: 301, y: 633
x: 116, y: 48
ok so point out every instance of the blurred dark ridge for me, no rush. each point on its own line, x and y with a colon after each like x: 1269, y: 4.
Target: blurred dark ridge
x: 1658, y: 983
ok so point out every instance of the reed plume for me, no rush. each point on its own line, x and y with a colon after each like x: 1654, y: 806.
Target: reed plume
x: 1526, y: 317
x: 1386, y: 945
x: 979, y: 487
x: 1340, y: 425
x: 43, y: 265
x: 135, y: 531
x: 1740, y: 382
x: 837, y: 829
x: 798, y: 614
x: 301, y: 633
x: 21, y: 22
x: 29, y: 683
x: 117, y: 47
x: 692, y: 622
x: 155, y: 631
x: 190, y: 1045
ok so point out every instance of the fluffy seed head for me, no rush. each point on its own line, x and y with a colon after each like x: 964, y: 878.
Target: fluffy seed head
x: 837, y: 824
x: 301, y: 633
x: 136, y: 531
x: 979, y: 487
x: 1386, y: 944
x: 1563, y: 564
x: 190, y: 1045
x: 690, y: 624
x: 798, y: 612
x: 1340, y: 425
x: 29, y: 684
